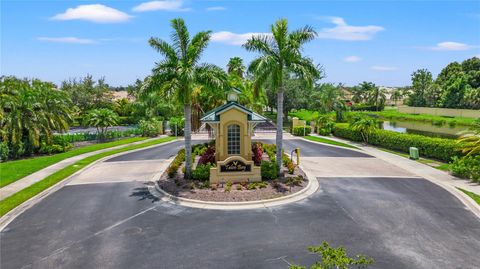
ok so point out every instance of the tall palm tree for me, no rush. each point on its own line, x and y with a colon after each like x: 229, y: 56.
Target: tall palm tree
x: 179, y: 72
x: 280, y: 52
x: 235, y: 66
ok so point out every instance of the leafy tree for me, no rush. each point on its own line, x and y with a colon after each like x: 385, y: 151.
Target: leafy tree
x: 280, y: 53
x: 328, y: 95
x: 235, y: 66
x: 335, y: 258
x: 454, y: 91
x: 102, y: 119
x: 30, y: 111
x: 179, y: 72
x: 87, y: 94
x: 421, y: 82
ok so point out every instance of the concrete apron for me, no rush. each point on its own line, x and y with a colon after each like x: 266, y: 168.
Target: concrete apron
x: 422, y: 171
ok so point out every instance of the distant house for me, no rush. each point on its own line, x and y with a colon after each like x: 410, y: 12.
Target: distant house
x: 118, y: 95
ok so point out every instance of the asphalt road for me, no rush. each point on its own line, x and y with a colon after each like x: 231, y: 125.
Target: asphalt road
x: 400, y: 222
x: 308, y: 149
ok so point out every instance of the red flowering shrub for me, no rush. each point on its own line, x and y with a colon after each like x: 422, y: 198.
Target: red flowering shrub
x: 208, y: 156
x: 257, y: 153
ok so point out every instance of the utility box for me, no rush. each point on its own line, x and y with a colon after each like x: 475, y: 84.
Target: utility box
x: 414, y: 155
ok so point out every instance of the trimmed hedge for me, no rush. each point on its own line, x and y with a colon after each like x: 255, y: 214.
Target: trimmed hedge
x: 298, y: 130
x: 436, y: 148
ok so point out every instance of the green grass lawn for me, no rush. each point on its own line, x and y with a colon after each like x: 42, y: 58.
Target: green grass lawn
x: 14, y: 170
x: 328, y: 141
x: 474, y: 196
x: 392, y: 114
x: 16, y: 199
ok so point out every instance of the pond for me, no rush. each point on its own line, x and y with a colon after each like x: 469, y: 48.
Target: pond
x: 423, y: 128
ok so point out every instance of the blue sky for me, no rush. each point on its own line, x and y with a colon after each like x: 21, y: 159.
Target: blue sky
x: 378, y: 41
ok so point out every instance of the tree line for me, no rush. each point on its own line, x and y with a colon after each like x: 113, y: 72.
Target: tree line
x: 456, y: 86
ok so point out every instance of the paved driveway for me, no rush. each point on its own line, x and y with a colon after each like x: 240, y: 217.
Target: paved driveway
x: 400, y: 222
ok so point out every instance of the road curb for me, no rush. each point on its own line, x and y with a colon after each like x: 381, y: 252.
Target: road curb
x: 14, y: 213
x: 310, y: 189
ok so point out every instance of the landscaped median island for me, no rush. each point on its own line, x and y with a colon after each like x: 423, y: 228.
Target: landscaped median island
x: 12, y: 171
x: 16, y: 199
x: 273, y: 185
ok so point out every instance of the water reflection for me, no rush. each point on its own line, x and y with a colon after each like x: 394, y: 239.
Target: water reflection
x: 422, y: 128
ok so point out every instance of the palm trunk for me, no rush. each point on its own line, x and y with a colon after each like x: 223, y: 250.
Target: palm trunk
x: 279, y: 138
x: 188, y: 140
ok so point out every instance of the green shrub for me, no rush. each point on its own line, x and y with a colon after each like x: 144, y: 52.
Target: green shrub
x: 257, y: 185
x: 269, y: 170
x: 228, y: 187
x: 467, y: 167
x: 431, y: 147
x: 199, y: 149
x: 301, y: 130
x: 173, y: 167
x: 202, y: 172
x: 52, y: 149
x: 150, y: 127
x: 4, y: 151
x: 252, y: 186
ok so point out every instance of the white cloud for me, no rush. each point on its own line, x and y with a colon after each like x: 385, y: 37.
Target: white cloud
x: 449, y: 45
x: 71, y: 40
x: 94, y: 13
x: 233, y: 38
x: 383, y: 68
x: 215, y: 8
x: 167, y: 5
x: 343, y: 31
x: 352, y: 59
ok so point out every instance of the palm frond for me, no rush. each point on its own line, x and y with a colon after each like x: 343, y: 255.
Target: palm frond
x: 180, y: 37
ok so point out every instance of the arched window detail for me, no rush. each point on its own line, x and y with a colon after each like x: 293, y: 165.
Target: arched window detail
x: 233, y: 141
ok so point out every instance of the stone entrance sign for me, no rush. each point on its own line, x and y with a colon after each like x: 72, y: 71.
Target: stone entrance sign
x: 232, y: 126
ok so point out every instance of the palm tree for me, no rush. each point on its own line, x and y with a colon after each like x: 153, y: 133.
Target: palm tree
x: 281, y: 53
x: 235, y: 66
x: 30, y: 111
x: 365, y: 125
x: 471, y: 140
x: 396, y: 96
x: 179, y: 72
x: 101, y: 119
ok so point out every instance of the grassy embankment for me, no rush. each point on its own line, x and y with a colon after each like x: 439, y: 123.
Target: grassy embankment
x: 474, y: 196
x: 12, y: 171
x: 18, y: 198
x: 391, y: 114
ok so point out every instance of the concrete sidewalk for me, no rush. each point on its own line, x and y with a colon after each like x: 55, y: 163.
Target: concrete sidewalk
x: 45, y: 172
x: 415, y: 167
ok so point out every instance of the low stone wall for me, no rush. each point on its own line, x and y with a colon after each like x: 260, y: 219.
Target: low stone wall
x: 449, y: 112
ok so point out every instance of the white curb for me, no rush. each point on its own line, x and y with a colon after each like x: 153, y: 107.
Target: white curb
x: 310, y: 189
